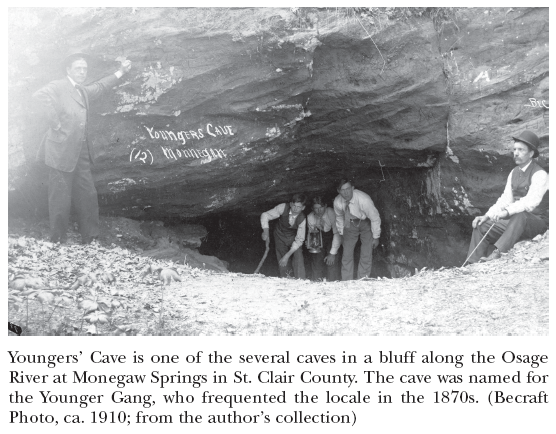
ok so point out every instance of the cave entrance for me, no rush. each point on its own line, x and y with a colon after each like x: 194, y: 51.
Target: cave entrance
x: 415, y: 229
x: 236, y: 239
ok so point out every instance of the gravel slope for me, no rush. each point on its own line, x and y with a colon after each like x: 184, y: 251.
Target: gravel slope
x: 505, y: 297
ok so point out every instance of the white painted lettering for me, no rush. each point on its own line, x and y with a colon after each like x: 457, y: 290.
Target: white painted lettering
x: 208, y: 130
x: 168, y: 153
x: 534, y: 102
x: 180, y: 136
x: 483, y: 74
x: 150, y: 131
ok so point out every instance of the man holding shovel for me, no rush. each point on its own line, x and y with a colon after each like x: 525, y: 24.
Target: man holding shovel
x: 289, y: 234
x: 522, y: 210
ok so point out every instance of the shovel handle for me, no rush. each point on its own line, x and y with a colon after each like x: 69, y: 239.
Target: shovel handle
x: 267, y: 241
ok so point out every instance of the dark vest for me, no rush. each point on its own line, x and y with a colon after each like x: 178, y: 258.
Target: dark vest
x: 283, y: 229
x: 521, y: 181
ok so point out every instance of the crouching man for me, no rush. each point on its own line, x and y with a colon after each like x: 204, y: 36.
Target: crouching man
x: 323, y: 220
x: 522, y: 210
x: 356, y: 218
x: 289, y: 235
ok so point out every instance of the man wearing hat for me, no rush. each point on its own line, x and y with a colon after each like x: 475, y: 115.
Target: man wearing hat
x: 67, y: 149
x: 522, y: 210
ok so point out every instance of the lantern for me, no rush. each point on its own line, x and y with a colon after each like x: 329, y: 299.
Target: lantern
x: 315, y: 241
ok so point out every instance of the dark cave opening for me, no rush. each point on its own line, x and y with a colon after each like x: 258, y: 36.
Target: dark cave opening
x: 416, y: 231
x: 236, y: 239
x: 419, y: 229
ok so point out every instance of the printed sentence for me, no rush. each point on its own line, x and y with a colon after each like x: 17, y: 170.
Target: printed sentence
x: 214, y: 357
x: 141, y: 417
x: 355, y: 397
x: 272, y: 377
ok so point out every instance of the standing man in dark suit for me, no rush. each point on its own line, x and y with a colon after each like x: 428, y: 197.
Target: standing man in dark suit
x: 67, y: 150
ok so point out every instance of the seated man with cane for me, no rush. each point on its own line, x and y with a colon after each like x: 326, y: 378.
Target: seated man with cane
x: 522, y: 210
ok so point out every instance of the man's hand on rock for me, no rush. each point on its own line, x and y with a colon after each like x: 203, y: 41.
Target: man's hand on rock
x: 125, y: 66
x: 478, y: 221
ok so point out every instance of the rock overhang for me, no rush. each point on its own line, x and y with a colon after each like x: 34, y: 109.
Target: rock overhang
x: 237, y: 117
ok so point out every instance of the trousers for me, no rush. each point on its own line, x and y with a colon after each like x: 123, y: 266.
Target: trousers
x: 318, y: 264
x: 295, y: 265
x: 362, y: 230
x: 77, y: 188
x: 505, y: 233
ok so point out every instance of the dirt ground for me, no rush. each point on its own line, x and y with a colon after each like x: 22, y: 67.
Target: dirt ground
x: 106, y: 289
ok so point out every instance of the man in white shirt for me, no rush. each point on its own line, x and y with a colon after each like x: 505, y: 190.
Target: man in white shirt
x: 67, y: 150
x: 323, y: 219
x: 356, y: 217
x: 522, y: 210
x: 289, y: 235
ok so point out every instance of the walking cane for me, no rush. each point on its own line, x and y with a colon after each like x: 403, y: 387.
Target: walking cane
x: 478, y: 245
x: 265, y: 254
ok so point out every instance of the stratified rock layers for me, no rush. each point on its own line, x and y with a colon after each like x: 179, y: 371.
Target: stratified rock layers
x: 236, y: 109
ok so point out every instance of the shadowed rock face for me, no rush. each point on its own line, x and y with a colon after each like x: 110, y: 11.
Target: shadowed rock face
x: 232, y: 111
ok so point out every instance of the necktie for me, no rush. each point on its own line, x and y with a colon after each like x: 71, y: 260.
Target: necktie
x: 81, y: 92
x: 347, y: 216
x: 319, y: 223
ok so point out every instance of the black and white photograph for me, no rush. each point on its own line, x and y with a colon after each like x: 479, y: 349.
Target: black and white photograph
x: 278, y: 171
x: 251, y: 218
